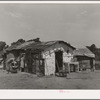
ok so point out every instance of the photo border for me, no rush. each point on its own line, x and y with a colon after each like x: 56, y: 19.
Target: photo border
x: 52, y: 93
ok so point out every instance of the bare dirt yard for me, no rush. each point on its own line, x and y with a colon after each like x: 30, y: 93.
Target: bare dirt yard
x: 22, y: 80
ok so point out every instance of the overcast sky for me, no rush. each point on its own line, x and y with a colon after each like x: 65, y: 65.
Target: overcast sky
x: 78, y: 24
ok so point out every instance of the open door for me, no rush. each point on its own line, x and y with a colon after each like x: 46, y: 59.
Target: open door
x: 58, y: 60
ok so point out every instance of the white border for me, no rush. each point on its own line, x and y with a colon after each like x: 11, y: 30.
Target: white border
x: 50, y: 94
x: 54, y: 2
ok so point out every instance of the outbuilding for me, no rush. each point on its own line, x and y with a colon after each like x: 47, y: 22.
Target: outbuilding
x: 43, y: 58
x: 85, y: 58
x: 48, y: 58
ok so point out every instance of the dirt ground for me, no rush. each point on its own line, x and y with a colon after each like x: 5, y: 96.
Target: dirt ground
x: 22, y: 80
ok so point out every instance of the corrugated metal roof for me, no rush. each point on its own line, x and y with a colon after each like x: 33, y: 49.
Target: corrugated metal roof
x: 35, y: 45
x: 41, y: 45
x: 44, y: 45
x: 12, y: 47
x: 19, y: 46
x: 24, y: 45
x: 83, y: 52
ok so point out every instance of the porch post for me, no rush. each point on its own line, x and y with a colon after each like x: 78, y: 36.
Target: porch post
x: 68, y: 68
x: 39, y: 63
x: 94, y: 64
x: 78, y: 67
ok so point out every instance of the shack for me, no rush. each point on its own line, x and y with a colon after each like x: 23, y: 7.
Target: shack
x: 47, y: 58
x: 85, y: 58
x: 12, y: 53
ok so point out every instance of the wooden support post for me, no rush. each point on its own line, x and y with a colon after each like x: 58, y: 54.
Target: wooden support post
x: 30, y: 63
x: 68, y: 68
x: 4, y: 62
x: 94, y: 64
x: 39, y: 59
x: 78, y: 67
x: 39, y: 63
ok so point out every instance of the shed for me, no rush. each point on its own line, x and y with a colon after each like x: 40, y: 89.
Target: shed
x: 85, y: 57
x: 14, y: 51
x: 47, y: 58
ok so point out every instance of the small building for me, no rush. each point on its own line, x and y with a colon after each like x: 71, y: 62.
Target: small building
x: 48, y: 58
x: 85, y: 58
x: 45, y: 58
x: 13, y: 53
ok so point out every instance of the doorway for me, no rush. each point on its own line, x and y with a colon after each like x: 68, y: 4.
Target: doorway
x: 58, y: 60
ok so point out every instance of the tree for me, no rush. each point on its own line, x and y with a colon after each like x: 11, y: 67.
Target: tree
x: 2, y: 45
x: 35, y: 40
x: 19, y: 41
x: 95, y: 50
x: 92, y: 47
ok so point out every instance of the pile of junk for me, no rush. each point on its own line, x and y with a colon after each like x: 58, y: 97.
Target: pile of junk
x: 12, y: 66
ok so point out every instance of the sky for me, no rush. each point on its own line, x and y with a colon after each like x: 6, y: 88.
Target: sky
x: 77, y: 24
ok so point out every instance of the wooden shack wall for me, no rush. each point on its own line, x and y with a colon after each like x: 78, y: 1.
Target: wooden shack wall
x: 84, y: 61
x: 35, y: 62
x: 49, y: 57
